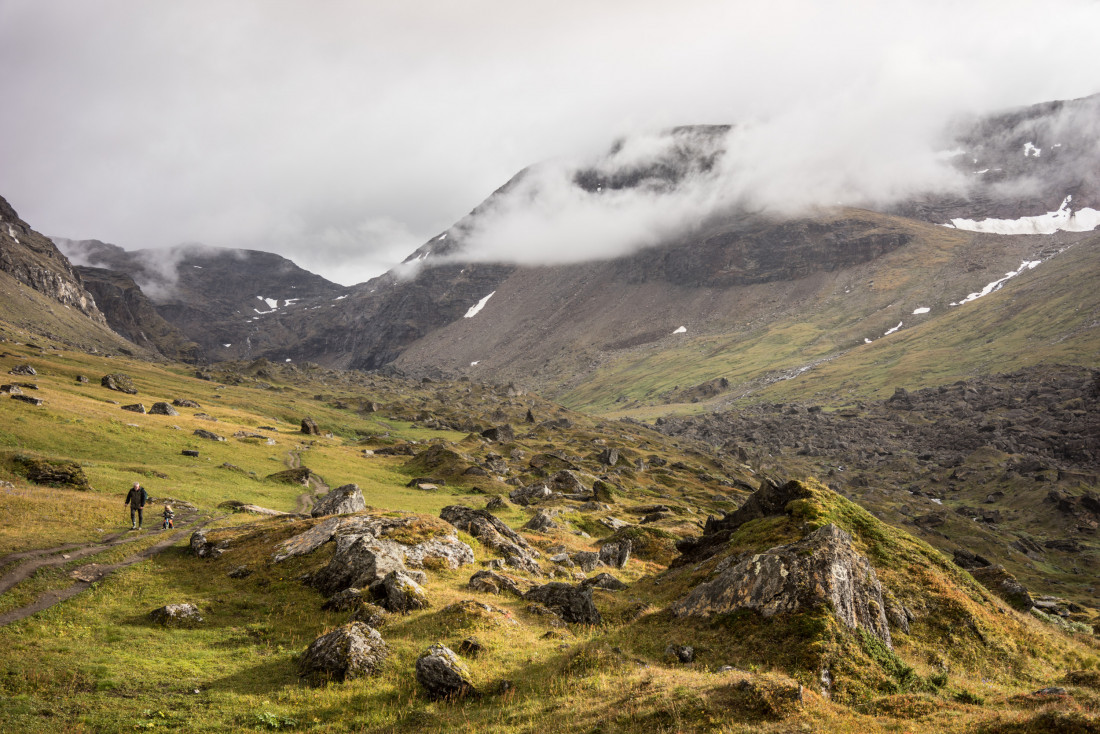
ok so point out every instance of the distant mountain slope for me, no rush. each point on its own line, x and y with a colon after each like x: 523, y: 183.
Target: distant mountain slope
x: 215, y: 297
x: 131, y: 314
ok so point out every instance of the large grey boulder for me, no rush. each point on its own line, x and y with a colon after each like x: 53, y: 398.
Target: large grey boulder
x: 494, y: 534
x: 822, y: 568
x: 572, y: 603
x: 442, y: 674
x: 352, y: 651
x: 343, y: 500
x: 360, y: 561
x: 162, y: 408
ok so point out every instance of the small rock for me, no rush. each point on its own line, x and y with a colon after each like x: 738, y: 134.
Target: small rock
x: 240, y: 572
x: 605, y: 581
x: 119, y: 382
x: 135, y: 408
x: 310, y: 427
x: 471, y: 647
x: 177, y: 615
x: 183, y: 403
x: 189, y: 452
x: 615, y: 555
x: 202, y: 433
x: 22, y: 369
x: 683, y: 653
x: 163, y: 409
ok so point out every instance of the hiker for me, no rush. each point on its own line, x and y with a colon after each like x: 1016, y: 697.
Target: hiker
x: 136, y: 498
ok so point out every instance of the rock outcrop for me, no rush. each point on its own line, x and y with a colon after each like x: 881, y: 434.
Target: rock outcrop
x: 343, y: 500
x: 822, y: 568
x: 494, y: 534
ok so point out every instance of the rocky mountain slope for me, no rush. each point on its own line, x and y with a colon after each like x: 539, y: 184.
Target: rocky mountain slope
x: 216, y: 298
x: 43, y: 294
x: 520, y: 566
x: 739, y: 297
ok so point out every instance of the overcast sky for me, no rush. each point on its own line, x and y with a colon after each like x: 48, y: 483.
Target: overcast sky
x: 344, y: 134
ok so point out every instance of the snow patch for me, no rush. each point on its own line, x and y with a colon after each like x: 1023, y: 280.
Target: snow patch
x: 340, y: 298
x: 227, y: 346
x: 866, y: 340
x: 1082, y: 220
x: 474, y: 364
x: 11, y: 233
x: 442, y: 237
x: 996, y: 285
x: 681, y: 330
x: 1031, y: 150
x: 476, y: 308
x: 197, y: 266
x: 891, y: 331
x: 938, y: 502
x: 272, y: 303
x: 922, y: 309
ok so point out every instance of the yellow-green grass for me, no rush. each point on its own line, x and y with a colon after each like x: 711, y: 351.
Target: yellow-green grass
x: 1043, y: 316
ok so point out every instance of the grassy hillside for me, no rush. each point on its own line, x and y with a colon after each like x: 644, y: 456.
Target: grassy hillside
x: 811, y: 346
x: 95, y: 662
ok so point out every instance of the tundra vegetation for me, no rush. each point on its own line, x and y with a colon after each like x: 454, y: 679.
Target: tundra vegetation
x: 694, y: 642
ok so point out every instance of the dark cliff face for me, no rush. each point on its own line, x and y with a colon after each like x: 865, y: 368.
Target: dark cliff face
x: 132, y: 315
x: 32, y: 259
x: 220, y: 299
x: 746, y: 253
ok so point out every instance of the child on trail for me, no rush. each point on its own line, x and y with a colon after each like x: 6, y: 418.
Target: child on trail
x: 136, y: 499
x: 168, y: 515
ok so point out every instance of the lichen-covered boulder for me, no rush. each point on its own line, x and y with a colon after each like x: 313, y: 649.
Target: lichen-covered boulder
x: 177, y: 615
x: 442, y: 674
x: 616, y: 554
x: 494, y: 583
x: 530, y: 494
x: 494, y: 534
x: 119, y: 382
x: 343, y: 500
x: 572, y: 603
x: 541, y: 522
x: 399, y: 593
x: 586, y: 560
x: 352, y: 651
x: 204, y: 548
x: 359, y: 561
x: 343, y: 601
x: 822, y: 568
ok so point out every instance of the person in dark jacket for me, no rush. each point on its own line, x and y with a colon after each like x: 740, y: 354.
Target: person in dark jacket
x: 136, y: 498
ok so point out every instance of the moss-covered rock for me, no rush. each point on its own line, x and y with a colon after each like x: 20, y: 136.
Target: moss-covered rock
x: 52, y: 473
